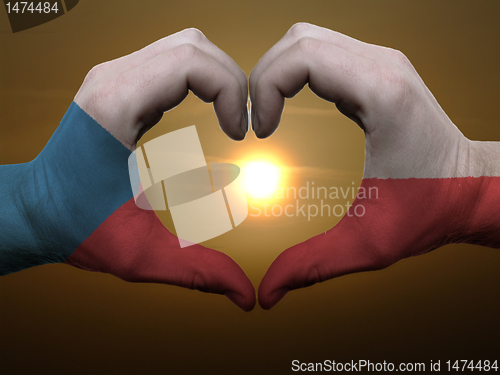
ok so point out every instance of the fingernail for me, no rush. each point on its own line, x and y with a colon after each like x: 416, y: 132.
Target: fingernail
x: 244, y: 122
x: 240, y: 301
x: 255, y: 124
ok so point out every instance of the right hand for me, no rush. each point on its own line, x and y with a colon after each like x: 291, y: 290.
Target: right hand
x: 414, y: 158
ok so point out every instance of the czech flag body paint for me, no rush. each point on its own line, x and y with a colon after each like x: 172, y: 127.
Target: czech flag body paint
x: 74, y: 204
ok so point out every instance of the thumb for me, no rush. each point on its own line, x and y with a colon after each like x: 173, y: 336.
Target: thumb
x: 135, y: 246
x: 340, y: 251
x: 195, y: 267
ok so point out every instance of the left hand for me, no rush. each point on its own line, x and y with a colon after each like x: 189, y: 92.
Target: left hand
x: 128, y: 96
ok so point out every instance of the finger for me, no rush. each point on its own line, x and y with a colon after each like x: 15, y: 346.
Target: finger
x: 187, y: 36
x: 134, y: 245
x: 163, y: 82
x: 194, y: 267
x: 333, y: 74
x: 338, y: 252
x: 306, y: 30
x: 388, y: 221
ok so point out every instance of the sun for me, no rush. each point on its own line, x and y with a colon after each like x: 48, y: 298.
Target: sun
x: 261, y: 178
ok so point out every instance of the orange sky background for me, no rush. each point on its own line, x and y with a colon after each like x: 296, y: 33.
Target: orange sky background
x: 443, y: 305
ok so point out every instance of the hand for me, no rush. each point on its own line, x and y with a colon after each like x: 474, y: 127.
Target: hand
x: 74, y: 202
x: 420, y: 190
x: 129, y: 95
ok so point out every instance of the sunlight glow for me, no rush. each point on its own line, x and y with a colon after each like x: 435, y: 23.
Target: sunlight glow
x: 261, y: 178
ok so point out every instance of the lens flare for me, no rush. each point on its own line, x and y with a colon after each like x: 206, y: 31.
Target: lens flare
x: 261, y: 178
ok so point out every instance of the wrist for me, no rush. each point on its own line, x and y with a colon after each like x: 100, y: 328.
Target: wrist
x: 484, y: 158
x: 483, y: 188
x: 20, y: 246
x: 52, y: 204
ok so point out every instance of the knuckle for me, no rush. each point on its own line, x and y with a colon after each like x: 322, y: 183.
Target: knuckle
x: 397, y: 81
x: 103, y: 96
x: 185, y: 52
x: 308, y: 45
x: 97, y: 90
x: 97, y: 72
x: 193, y: 34
x: 399, y: 57
x: 393, y: 83
x: 299, y: 29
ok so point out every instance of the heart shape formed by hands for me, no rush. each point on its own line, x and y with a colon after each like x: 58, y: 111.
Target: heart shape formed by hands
x: 434, y: 185
x: 429, y: 177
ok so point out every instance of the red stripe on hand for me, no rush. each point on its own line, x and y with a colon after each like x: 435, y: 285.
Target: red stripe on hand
x: 407, y: 217
x: 134, y: 245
